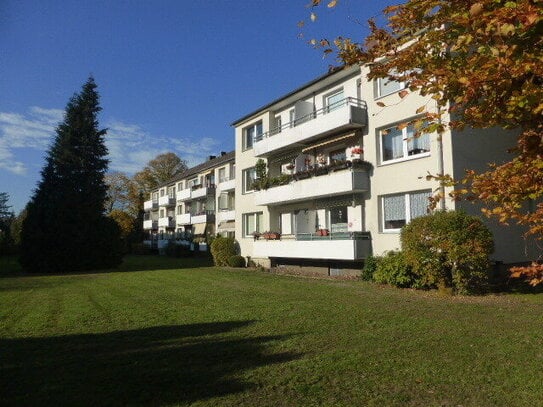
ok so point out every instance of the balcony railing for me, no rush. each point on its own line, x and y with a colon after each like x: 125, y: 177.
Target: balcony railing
x: 167, y: 222
x: 202, y: 217
x: 348, y: 113
x: 150, y: 224
x: 183, y: 194
x: 183, y: 219
x: 312, y: 185
x: 150, y: 205
x: 224, y: 215
x: 202, y: 191
x: 166, y: 200
x: 226, y: 184
x: 335, y: 246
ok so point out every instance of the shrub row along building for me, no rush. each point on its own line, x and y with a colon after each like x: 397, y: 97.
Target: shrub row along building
x: 342, y: 175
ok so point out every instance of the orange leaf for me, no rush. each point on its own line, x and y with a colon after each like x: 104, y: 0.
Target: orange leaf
x: 476, y: 9
x: 381, y: 104
x: 403, y: 93
x: 420, y: 109
x: 332, y: 3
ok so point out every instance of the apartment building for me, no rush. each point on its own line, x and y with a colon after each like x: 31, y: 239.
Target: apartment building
x: 196, y: 204
x: 343, y: 176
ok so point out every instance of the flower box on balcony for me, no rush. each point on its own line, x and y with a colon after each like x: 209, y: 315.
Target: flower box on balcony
x: 322, y: 232
x: 271, y: 235
x: 321, y: 171
x: 302, y: 175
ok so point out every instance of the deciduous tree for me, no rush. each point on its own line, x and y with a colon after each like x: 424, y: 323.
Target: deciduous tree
x: 482, y: 62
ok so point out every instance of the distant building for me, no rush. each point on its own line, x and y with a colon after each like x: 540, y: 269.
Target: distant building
x: 196, y: 204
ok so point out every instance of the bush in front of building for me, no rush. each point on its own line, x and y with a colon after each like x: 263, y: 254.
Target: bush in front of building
x: 448, y: 249
x: 222, y: 248
x: 236, y: 261
x: 392, y: 269
x: 370, y: 265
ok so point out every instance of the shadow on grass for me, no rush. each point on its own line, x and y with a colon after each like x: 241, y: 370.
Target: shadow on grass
x: 153, y: 366
x: 10, y: 267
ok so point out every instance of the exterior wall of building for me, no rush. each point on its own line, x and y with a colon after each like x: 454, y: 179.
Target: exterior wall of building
x: 401, y: 177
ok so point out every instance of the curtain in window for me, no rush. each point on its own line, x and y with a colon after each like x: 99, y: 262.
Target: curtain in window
x: 417, y: 145
x: 392, y: 144
x: 250, y: 224
x: 394, y: 207
x: 419, y: 203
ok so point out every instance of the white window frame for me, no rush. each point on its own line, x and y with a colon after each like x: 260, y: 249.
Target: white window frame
x: 258, y: 219
x: 335, y: 105
x: 222, y: 175
x: 379, y: 85
x: 247, y: 136
x: 245, y: 172
x: 407, y: 201
x: 405, y: 145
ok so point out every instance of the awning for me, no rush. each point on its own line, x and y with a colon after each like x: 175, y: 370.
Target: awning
x: 329, y: 141
x: 289, y: 156
x: 199, y: 229
x: 227, y: 226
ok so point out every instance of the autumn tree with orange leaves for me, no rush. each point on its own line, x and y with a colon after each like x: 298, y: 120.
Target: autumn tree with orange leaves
x: 482, y: 62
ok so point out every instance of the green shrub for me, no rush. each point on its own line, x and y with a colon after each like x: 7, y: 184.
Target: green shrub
x: 370, y: 265
x: 236, y: 261
x: 449, y: 250
x: 392, y: 269
x: 222, y: 249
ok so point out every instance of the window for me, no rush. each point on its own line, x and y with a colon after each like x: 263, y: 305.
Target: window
x: 398, y: 144
x: 333, y: 101
x: 232, y: 172
x: 399, y: 209
x: 338, y: 219
x: 385, y: 86
x: 337, y: 155
x: 223, y: 201
x: 292, y: 117
x: 252, y: 222
x: 192, y: 182
x: 249, y: 176
x: 180, y: 209
x: 222, y: 175
x: 250, y: 134
x: 277, y: 125
x: 162, y: 213
x: 180, y: 186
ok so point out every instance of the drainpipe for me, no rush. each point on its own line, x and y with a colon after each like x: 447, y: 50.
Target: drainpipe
x: 440, y: 162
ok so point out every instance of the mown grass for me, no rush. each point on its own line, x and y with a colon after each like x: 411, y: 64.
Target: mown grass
x: 166, y: 332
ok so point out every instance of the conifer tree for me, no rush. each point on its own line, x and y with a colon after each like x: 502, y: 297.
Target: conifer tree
x: 66, y: 228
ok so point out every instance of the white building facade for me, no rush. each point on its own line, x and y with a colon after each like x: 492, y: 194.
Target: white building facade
x: 197, y: 204
x: 344, y: 173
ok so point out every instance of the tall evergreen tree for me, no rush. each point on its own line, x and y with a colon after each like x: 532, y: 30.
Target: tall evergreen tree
x: 66, y: 228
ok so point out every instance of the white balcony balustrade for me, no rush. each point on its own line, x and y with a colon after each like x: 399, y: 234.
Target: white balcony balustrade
x: 166, y: 200
x: 226, y: 215
x: 167, y: 222
x: 346, y: 114
x: 202, y: 191
x: 340, y: 246
x: 227, y: 184
x: 150, y: 205
x: 332, y: 183
x: 183, y: 195
x: 183, y: 219
x: 150, y: 224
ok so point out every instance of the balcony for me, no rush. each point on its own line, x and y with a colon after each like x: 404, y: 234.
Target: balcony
x: 183, y: 219
x: 202, y: 217
x: 183, y: 195
x: 347, y: 114
x: 166, y: 200
x: 150, y: 224
x: 168, y: 222
x: 336, y: 246
x: 150, y: 205
x: 227, y: 184
x: 354, y: 180
x: 199, y: 191
x: 226, y: 215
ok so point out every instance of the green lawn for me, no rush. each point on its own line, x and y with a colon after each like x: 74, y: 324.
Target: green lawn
x: 165, y: 332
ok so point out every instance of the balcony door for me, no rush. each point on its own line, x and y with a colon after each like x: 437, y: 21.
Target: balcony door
x: 338, y: 219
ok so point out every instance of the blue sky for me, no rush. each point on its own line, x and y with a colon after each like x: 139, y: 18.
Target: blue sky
x: 172, y: 75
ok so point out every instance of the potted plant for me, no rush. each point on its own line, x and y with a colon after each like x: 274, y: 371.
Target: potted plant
x: 256, y: 235
x: 269, y: 235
